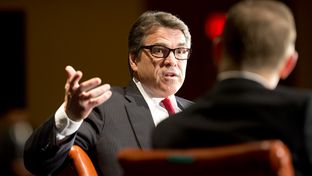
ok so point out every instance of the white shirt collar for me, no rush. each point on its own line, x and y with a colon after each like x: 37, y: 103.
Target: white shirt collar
x: 158, y: 112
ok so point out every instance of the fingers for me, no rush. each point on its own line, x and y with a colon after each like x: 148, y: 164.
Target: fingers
x: 90, y: 84
x: 87, y: 101
x: 98, y: 95
x: 81, y: 98
x: 73, y: 78
x: 70, y: 71
x: 74, y: 82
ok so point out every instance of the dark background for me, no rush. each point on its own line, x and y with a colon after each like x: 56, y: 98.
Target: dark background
x: 12, y: 56
x: 38, y: 39
x: 201, y: 68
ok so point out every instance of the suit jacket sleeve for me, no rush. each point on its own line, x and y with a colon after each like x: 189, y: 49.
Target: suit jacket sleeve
x: 42, y: 154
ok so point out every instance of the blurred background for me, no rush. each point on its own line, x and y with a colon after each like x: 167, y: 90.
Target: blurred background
x: 39, y: 38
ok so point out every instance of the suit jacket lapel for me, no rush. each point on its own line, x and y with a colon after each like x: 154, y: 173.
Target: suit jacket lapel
x: 139, y: 115
x: 182, y: 103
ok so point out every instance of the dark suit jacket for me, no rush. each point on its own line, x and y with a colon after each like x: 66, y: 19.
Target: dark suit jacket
x: 239, y: 110
x: 123, y: 121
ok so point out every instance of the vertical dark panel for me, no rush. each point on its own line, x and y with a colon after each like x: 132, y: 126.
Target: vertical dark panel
x: 12, y: 60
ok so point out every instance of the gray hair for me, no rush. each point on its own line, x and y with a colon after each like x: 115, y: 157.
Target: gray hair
x: 147, y: 21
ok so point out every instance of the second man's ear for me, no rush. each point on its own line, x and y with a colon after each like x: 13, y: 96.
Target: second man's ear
x: 289, y: 65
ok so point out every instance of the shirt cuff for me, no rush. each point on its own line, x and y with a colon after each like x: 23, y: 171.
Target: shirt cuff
x: 64, y: 125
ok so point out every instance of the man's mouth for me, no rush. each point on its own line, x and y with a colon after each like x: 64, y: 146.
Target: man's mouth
x: 170, y: 74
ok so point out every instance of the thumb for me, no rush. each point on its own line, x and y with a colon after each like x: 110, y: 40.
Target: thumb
x: 70, y: 71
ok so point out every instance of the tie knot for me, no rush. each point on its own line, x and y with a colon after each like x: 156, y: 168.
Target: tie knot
x: 167, y: 103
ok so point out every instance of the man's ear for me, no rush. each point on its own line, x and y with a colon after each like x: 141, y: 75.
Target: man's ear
x: 133, y: 61
x: 289, y: 65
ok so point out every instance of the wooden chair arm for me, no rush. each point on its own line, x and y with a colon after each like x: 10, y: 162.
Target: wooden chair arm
x: 81, y: 161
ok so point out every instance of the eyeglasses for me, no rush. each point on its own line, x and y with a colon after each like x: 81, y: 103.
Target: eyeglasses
x: 159, y: 51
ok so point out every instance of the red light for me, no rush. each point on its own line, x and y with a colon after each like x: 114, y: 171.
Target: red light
x: 214, y: 25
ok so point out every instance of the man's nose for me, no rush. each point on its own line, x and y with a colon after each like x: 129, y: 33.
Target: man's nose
x: 171, y: 58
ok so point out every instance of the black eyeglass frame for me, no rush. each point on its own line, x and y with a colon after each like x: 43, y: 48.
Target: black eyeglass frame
x: 150, y: 47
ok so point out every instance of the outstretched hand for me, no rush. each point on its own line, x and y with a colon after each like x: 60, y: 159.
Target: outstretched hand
x: 81, y: 98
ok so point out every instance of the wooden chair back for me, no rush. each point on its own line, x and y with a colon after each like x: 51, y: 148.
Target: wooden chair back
x: 259, y: 158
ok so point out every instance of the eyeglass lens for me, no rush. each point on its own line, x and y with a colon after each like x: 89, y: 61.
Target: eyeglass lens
x: 159, y: 51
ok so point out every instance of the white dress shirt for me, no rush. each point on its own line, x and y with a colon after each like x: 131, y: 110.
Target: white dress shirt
x: 159, y: 113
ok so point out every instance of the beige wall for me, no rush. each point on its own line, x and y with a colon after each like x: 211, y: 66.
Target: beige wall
x: 89, y: 35
x: 92, y: 36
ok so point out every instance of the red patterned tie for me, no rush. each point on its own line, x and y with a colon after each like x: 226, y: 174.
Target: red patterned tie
x: 166, y: 102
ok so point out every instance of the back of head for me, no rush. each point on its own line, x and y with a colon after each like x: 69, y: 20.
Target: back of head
x: 258, y: 34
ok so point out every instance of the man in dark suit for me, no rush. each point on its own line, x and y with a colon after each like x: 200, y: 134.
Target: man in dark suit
x: 257, y: 50
x: 104, y: 120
